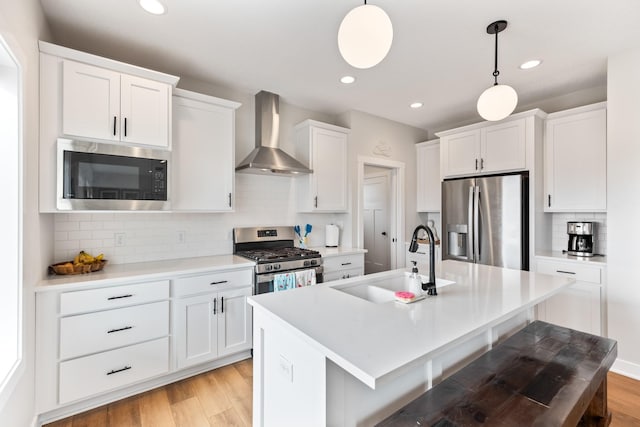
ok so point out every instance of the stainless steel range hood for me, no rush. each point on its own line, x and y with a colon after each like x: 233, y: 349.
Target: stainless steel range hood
x: 267, y: 158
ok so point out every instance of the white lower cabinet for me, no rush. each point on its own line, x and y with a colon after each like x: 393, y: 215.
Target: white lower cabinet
x: 100, y: 343
x: 343, y: 267
x: 581, y: 305
x: 212, y: 324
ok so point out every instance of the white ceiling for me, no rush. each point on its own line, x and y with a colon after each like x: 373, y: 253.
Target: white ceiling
x: 441, y: 54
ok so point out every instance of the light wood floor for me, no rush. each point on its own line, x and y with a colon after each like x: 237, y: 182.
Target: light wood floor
x: 222, y: 397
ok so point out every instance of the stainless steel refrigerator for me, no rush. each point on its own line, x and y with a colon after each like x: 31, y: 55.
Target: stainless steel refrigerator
x: 486, y: 220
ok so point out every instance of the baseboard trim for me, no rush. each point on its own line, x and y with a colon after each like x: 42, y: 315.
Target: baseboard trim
x: 91, y: 403
x: 628, y: 369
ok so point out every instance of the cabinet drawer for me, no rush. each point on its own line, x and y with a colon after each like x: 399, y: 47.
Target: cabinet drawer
x: 212, y: 282
x: 112, y: 297
x: 346, y: 262
x: 86, y: 376
x: 582, y: 273
x: 344, y: 274
x: 104, y: 330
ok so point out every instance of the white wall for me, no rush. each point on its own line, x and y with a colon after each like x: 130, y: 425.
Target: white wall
x: 370, y: 137
x: 21, y: 25
x: 623, y: 207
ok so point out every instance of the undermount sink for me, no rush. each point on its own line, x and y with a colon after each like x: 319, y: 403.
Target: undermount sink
x: 383, y: 291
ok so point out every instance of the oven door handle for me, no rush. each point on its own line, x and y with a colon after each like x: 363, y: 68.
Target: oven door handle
x: 262, y: 278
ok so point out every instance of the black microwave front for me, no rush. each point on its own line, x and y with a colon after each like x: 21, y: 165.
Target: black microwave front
x: 99, y: 176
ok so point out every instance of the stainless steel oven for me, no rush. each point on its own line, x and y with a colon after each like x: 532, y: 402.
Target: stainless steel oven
x: 100, y: 176
x: 275, y: 255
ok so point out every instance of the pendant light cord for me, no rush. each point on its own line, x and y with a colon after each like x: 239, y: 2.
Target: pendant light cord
x: 496, y: 73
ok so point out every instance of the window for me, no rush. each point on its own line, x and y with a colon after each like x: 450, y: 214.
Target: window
x: 10, y: 216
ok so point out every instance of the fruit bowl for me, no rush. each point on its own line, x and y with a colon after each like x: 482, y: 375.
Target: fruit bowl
x: 69, y: 267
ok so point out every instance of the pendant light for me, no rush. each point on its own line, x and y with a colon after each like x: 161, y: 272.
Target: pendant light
x: 498, y: 101
x: 365, y: 36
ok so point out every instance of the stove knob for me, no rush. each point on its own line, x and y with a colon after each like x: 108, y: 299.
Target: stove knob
x: 276, y: 266
x: 314, y: 262
x: 267, y: 268
x: 306, y: 263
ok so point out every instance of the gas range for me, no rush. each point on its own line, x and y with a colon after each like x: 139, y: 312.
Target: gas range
x: 273, y: 250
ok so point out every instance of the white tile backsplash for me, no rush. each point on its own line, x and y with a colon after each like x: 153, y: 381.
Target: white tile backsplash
x: 259, y: 201
x: 559, y: 229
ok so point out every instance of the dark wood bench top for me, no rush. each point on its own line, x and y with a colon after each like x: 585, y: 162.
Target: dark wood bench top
x: 544, y: 375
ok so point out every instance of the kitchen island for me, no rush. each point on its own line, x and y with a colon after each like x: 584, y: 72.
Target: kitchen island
x: 344, y: 354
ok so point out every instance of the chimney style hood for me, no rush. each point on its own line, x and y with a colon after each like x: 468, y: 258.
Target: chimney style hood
x: 267, y: 158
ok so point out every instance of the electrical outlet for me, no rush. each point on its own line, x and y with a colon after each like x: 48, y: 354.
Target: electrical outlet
x: 119, y: 239
x: 181, y: 237
x: 286, y: 368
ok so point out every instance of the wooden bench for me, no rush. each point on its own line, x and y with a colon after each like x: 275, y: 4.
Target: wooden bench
x: 544, y: 375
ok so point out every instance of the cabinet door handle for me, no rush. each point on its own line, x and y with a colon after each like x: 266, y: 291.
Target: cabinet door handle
x: 114, y: 125
x: 215, y: 305
x: 315, y: 202
x: 119, y: 329
x: 125, y: 126
x: 346, y: 263
x: 119, y: 297
x: 219, y: 282
x: 221, y: 304
x: 549, y: 200
x: 115, y: 371
x: 481, y: 164
x: 565, y: 272
x: 476, y: 164
x: 229, y: 199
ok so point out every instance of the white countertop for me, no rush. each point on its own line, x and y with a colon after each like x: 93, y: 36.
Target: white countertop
x: 559, y: 256
x: 339, y: 251
x: 143, y: 271
x: 371, y: 340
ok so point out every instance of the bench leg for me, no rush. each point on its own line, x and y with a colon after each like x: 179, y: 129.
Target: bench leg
x: 597, y: 413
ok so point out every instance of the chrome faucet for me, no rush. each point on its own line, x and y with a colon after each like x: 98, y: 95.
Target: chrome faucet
x: 430, y: 286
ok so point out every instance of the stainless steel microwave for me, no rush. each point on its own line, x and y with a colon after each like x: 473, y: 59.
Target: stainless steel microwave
x: 99, y: 176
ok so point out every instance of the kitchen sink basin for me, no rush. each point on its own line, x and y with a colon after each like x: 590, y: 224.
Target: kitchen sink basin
x: 382, y: 291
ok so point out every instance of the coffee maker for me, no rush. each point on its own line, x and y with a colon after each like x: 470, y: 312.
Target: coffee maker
x: 581, y: 238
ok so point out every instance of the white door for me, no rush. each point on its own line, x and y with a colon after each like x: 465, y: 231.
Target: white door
x: 234, y: 322
x: 376, y: 223
x: 144, y: 110
x: 202, y: 156
x: 196, y: 329
x: 90, y: 101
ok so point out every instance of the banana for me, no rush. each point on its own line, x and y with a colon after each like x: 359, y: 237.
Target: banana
x: 100, y: 257
x: 76, y: 259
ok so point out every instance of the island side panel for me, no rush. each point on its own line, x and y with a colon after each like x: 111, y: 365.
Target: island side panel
x: 289, y: 377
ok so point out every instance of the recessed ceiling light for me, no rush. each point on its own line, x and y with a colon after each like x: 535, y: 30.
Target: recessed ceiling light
x: 416, y: 105
x: 348, y: 80
x: 153, y: 6
x: 530, y: 64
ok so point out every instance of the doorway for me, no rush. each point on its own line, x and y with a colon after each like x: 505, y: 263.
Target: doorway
x: 376, y: 214
x: 380, y: 213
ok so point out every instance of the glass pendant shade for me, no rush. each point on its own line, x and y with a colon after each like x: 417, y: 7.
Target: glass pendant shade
x: 365, y: 36
x: 497, y: 102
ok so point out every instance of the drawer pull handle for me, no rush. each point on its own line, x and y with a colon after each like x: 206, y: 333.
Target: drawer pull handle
x: 115, y: 371
x: 119, y: 329
x: 222, y: 305
x: 565, y: 272
x: 346, y: 263
x: 218, y: 282
x: 120, y: 296
x: 421, y: 253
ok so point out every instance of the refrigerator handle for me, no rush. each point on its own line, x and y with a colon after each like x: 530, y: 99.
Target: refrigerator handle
x: 476, y: 225
x: 471, y: 229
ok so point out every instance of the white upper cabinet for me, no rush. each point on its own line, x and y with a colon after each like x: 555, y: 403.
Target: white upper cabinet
x: 428, y: 173
x: 90, y: 101
x: 323, y: 148
x: 203, y: 152
x: 576, y: 160
x: 485, y: 149
x: 104, y: 104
